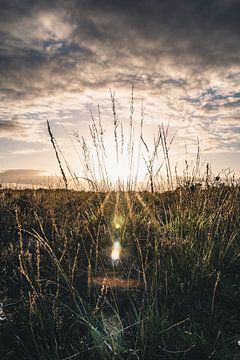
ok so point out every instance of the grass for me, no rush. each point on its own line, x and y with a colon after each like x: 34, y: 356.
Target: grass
x: 174, y: 292
x: 182, y: 247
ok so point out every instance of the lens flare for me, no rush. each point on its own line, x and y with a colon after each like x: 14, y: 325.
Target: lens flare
x: 118, y: 222
x: 116, y: 250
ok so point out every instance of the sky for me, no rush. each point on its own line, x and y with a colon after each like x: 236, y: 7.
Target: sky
x: 60, y: 59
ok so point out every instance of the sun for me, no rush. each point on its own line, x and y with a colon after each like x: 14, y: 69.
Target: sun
x: 113, y: 155
x: 118, y: 170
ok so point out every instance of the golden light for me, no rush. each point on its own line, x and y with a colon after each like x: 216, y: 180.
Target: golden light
x: 118, y: 222
x: 117, y: 170
x: 116, y: 250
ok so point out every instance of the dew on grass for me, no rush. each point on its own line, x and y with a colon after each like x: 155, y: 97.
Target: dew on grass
x: 2, y: 314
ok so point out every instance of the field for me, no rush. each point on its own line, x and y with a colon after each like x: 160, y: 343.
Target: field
x: 169, y: 290
x: 119, y: 180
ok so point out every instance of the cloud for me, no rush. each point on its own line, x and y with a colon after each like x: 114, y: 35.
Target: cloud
x: 8, y: 128
x: 32, y: 177
x: 23, y: 176
x: 29, y: 178
x: 23, y: 128
x: 28, y: 151
x: 88, y: 41
x: 58, y: 59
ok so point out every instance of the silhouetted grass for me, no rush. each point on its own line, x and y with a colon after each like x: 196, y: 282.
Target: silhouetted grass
x: 174, y: 293
x: 181, y: 247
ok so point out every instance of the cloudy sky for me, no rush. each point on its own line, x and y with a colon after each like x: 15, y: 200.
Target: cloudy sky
x: 58, y: 60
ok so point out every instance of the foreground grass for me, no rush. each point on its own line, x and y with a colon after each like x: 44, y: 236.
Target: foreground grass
x: 181, y: 248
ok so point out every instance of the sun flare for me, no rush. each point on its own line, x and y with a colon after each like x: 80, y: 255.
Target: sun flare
x: 116, y: 250
x: 118, y: 171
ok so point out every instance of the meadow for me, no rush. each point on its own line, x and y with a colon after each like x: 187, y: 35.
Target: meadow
x: 173, y: 293
x: 121, y: 272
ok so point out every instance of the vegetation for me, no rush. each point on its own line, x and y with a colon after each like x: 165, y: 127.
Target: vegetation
x: 120, y: 273
x: 180, y: 247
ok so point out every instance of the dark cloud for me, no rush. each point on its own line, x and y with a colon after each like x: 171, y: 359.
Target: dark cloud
x: 130, y: 36
x: 235, y: 129
x: 184, y: 52
x: 233, y: 104
x: 199, y: 31
x: 25, y: 128
x: 8, y: 126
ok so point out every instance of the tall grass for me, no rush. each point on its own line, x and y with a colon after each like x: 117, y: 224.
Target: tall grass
x: 179, y: 260
x: 106, y: 167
